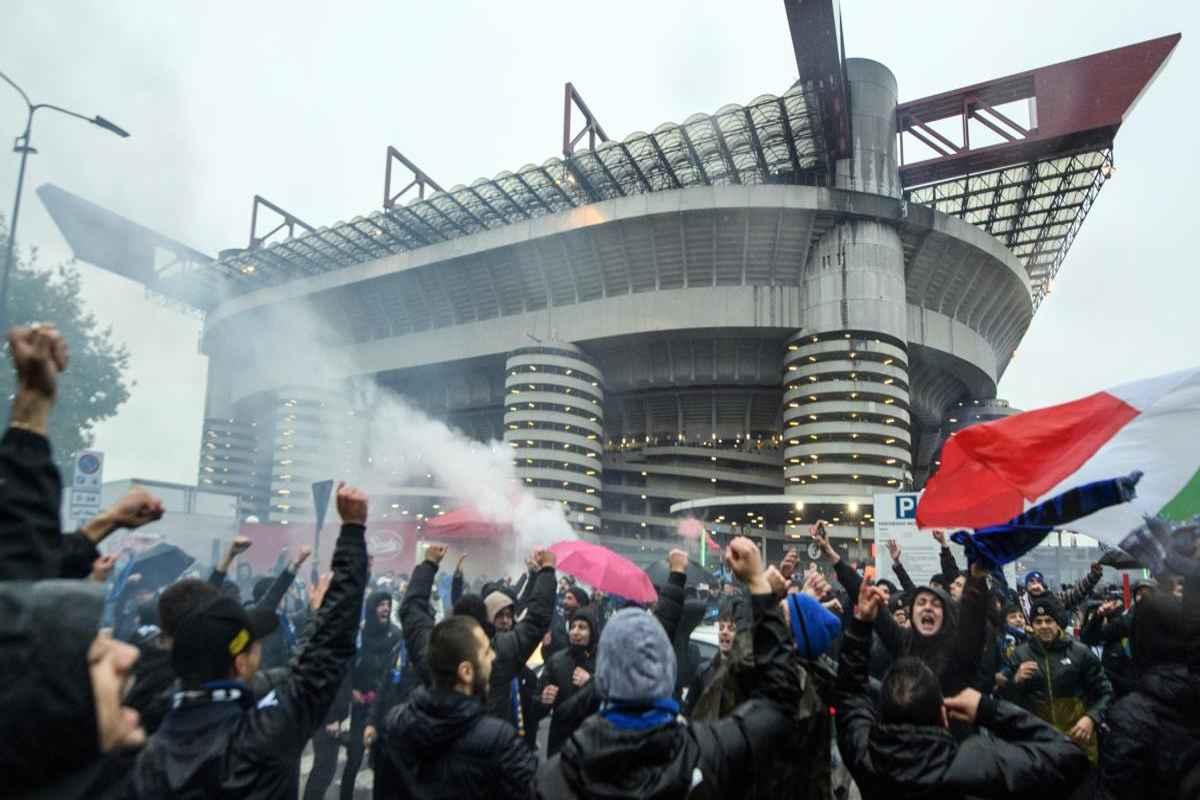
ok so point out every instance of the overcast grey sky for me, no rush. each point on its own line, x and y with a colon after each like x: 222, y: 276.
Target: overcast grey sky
x: 298, y: 101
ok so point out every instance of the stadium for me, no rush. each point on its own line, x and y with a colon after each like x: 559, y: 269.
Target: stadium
x: 756, y: 316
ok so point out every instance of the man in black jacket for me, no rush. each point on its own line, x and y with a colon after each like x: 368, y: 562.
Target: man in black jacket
x: 379, y: 639
x: 905, y: 749
x: 513, y: 641
x: 215, y: 741
x: 636, y: 747
x: 443, y: 744
x: 1057, y: 678
x: 566, y: 672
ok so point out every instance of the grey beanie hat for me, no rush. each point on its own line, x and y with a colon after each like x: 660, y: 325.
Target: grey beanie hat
x: 636, y: 662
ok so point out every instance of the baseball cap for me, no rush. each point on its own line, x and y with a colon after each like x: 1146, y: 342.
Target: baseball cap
x: 211, y: 635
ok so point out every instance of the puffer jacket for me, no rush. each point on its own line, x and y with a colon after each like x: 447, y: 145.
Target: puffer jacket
x: 560, y: 671
x: 1151, y: 737
x: 443, y: 745
x: 1017, y: 756
x: 1069, y: 683
x: 221, y: 744
x: 698, y: 760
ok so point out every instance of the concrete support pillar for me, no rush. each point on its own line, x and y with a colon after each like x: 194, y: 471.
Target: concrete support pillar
x: 873, y: 167
x: 554, y: 421
x: 846, y: 414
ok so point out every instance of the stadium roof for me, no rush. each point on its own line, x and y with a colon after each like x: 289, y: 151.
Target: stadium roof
x: 1029, y: 186
x: 769, y: 140
x: 1031, y: 190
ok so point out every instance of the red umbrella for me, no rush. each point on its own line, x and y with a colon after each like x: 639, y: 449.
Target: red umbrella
x: 604, y: 570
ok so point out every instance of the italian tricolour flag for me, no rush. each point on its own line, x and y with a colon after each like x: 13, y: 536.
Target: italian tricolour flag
x: 992, y: 472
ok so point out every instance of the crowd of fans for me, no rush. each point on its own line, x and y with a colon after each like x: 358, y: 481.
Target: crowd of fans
x: 119, y: 683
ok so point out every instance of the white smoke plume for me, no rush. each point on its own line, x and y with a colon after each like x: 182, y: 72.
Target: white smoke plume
x: 393, y: 441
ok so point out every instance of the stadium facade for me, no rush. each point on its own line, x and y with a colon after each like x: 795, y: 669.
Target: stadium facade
x: 757, y: 316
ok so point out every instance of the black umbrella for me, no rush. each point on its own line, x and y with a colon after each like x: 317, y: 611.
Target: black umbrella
x: 160, y: 564
x: 696, y: 575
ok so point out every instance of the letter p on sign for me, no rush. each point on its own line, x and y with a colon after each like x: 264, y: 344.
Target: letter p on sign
x: 906, y: 506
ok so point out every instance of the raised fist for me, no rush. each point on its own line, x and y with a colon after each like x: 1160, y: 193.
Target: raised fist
x: 351, y: 505
x: 678, y: 560
x: 39, y: 355
x: 435, y: 553
x: 743, y: 558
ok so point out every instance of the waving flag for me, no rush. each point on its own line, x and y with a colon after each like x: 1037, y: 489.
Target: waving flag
x: 993, y: 472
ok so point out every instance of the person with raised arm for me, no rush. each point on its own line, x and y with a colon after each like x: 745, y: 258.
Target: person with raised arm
x: 901, y: 746
x: 32, y: 544
x: 636, y: 746
x: 217, y: 741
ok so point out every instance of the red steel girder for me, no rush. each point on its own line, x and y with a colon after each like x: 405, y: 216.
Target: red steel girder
x: 1078, y: 105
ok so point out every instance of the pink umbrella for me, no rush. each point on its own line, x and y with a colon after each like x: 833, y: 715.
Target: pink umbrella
x: 604, y: 570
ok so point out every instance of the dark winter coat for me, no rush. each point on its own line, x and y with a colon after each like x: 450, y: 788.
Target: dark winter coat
x: 1151, y: 737
x: 697, y: 760
x: 513, y: 648
x: 378, y: 641
x: 1018, y: 756
x: 232, y: 748
x: 1069, y: 683
x: 669, y: 613
x: 1113, y: 634
x: 442, y: 745
x: 396, y: 686
x: 32, y: 544
x: 559, y: 671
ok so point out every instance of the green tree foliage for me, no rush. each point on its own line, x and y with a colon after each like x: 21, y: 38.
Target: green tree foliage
x: 94, y: 385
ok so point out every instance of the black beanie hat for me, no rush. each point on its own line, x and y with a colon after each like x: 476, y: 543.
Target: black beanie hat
x: 1047, y: 605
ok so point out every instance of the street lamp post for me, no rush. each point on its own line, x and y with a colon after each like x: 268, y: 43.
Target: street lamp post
x: 23, y: 146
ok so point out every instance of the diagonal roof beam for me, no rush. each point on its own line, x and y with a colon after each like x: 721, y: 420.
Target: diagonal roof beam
x: 730, y: 167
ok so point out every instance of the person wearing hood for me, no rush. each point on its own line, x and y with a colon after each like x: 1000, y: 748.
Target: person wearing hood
x: 443, y: 743
x: 1152, y: 735
x: 62, y: 679
x: 573, y: 599
x: 901, y: 748
x: 948, y: 636
x: 216, y: 741
x: 1059, y: 679
x: 566, y: 672
x: 636, y: 747
x: 377, y: 640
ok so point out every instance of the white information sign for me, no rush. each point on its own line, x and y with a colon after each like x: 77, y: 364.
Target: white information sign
x: 86, y: 485
x: 896, y: 518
